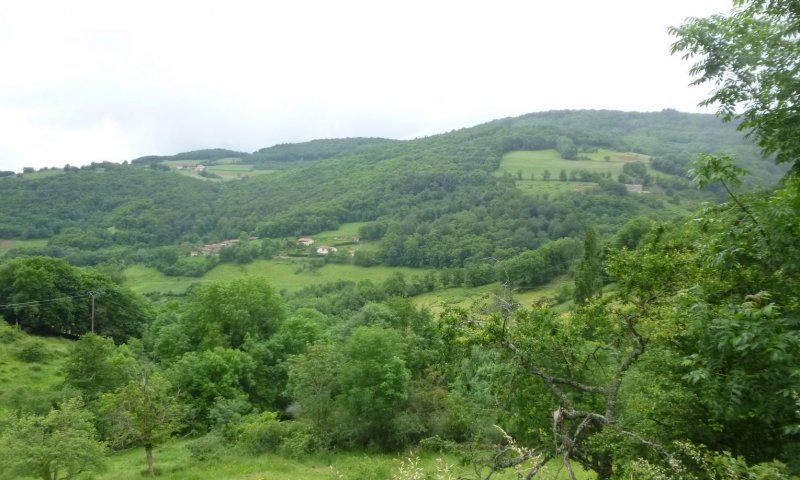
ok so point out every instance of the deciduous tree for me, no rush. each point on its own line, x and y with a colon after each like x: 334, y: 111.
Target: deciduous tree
x: 144, y: 412
x: 60, y: 445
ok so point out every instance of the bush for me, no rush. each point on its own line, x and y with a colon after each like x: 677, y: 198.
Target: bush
x: 32, y: 351
x: 300, y: 439
x: 8, y: 333
x: 261, y: 433
x: 207, y: 447
x: 264, y: 433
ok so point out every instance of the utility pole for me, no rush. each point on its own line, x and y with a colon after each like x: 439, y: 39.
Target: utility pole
x: 93, y: 294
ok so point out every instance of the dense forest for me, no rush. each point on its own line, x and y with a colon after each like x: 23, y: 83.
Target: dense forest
x: 674, y: 354
x: 432, y: 202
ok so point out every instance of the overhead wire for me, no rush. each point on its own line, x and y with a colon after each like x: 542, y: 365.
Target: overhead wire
x: 45, y: 301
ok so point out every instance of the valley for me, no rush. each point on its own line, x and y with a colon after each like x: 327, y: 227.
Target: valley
x: 473, y: 304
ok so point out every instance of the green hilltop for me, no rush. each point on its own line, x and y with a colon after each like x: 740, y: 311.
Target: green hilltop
x: 445, y: 201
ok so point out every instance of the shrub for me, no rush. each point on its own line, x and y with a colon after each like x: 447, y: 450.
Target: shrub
x: 264, y: 433
x: 261, y: 433
x: 301, y: 439
x: 8, y: 334
x: 207, y: 447
x: 32, y: 351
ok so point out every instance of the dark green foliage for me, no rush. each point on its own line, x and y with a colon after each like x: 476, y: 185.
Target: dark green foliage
x: 588, y: 280
x: 209, y: 155
x: 698, y: 343
x: 566, y: 148
x: 279, y: 156
x: 436, y: 195
x: 202, y: 378
x: 50, y: 296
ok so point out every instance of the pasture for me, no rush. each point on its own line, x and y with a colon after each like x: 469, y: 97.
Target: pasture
x: 30, y: 368
x: 173, y: 462
x: 6, y: 245
x: 289, y: 274
x: 226, y: 168
x: 536, y: 162
x: 463, y: 297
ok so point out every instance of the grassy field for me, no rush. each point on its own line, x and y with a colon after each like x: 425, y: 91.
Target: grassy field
x: 288, y: 274
x: 6, y: 245
x: 536, y: 162
x: 227, y: 168
x: 464, y: 297
x: 174, y: 463
x: 28, y: 382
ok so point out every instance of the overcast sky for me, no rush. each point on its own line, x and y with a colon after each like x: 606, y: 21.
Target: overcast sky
x: 85, y: 81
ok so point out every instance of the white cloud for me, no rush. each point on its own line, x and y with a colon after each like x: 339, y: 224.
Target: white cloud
x: 91, y: 80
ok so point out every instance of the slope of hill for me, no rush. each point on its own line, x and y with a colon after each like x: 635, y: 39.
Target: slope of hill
x: 437, y: 201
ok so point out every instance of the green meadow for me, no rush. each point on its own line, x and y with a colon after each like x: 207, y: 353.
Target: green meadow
x: 173, y: 462
x: 30, y: 368
x: 536, y: 162
x: 226, y: 168
x: 289, y: 274
x: 463, y: 297
x: 6, y: 245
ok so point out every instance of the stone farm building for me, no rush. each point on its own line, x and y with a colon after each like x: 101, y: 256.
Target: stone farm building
x: 325, y: 249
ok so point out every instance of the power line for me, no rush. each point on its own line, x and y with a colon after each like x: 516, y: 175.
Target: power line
x: 48, y: 300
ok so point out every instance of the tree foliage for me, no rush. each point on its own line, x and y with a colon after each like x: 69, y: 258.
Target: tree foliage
x: 50, y: 296
x: 60, y: 445
x: 752, y: 59
x: 588, y: 280
x: 143, y: 412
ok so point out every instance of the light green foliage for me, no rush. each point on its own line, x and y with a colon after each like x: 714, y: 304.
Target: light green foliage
x: 95, y: 365
x: 537, y: 267
x: 710, y: 169
x: 31, y: 351
x: 312, y: 384
x: 750, y: 57
x: 293, y: 337
x: 144, y: 412
x: 27, y: 387
x: 374, y: 383
x: 264, y: 433
x: 283, y: 274
x: 223, y: 314
x: 59, y: 445
x: 8, y: 245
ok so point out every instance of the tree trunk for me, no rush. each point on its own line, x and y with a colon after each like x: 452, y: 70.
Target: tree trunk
x: 148, y: 450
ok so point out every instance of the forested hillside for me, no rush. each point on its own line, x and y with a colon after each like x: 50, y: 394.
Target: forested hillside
x: 440, y: 201
x: 667, y: 347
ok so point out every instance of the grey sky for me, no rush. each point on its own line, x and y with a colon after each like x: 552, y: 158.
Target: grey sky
x: 90, y: 81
